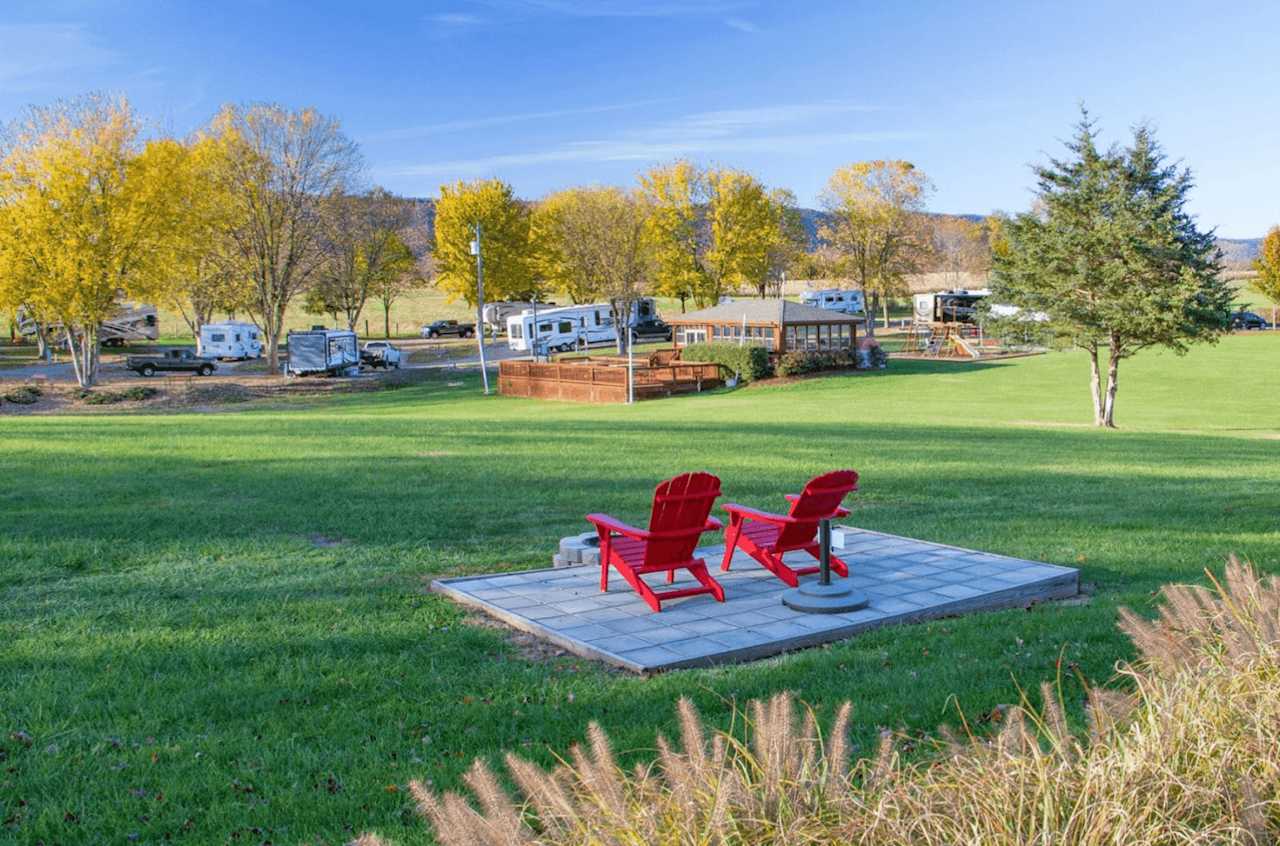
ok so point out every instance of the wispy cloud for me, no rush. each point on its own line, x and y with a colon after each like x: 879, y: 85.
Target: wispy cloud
x: 741, y: 24
x: 622, y: 8
x: 456, y: 19
x: 489, y: 121
x: 767, y: 129
x: 30, y: 54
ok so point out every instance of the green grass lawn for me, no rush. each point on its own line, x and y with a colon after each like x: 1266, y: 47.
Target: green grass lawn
x: 215, y: 627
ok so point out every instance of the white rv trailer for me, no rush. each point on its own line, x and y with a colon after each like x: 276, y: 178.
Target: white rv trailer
x: 960, y: 306
x: 494, y: 315
x: 230, y: 339
x: 130, y: 322
x: 567, y: 327
x: 835, y: 299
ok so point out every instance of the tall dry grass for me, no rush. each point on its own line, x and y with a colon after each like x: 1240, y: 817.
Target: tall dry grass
x: 1189, y: 754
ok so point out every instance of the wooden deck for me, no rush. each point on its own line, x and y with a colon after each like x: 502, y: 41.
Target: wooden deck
x: 603, y: 380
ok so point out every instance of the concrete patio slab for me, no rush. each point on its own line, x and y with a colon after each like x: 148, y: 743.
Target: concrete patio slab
x: 907, y: 580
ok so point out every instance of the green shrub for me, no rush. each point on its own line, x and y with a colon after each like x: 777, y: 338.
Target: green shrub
x: 748, y: 361
x: 24, y: 395
x: 90, y: 397
x: 800, y: 362
x: 140, y: 392
x: 136, y: 393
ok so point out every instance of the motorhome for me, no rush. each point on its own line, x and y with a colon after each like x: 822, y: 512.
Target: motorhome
x: 835, y: 299
x: 230, y: 339
x: 568, y: 327
x: 130, y: 322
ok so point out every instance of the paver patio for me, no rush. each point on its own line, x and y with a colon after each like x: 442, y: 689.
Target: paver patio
x: 905, y: 579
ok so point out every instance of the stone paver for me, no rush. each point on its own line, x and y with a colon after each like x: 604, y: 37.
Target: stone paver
x: 906, y: 580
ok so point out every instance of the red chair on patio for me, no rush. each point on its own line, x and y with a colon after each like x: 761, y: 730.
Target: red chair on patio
x: 681, y: 513
x: 766, y: 537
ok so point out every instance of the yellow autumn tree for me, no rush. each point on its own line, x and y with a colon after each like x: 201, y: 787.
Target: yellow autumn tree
x: 877, y: 226
x: 504, y: 224
x: 86, y: 208
x: 199, y: 273
x: 674, y: 195
x: 746, y: 225
x: 552, y: 262
x: 1267, y: 282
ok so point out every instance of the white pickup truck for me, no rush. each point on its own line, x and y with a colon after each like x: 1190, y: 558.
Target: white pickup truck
x: 380, y: 354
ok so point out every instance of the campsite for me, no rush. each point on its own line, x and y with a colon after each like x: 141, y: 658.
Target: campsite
x: 545, y: 423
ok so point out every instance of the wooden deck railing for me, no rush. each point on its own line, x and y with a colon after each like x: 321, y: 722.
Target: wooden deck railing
x: 578, y: 380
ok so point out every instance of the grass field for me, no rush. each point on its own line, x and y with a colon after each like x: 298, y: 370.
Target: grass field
x: 216, y: 628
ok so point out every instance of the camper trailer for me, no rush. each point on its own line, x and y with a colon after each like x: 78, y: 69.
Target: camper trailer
x: 495, y: 315
x: 835, y: 299
x: 130, y: 322
x: 335, y: 352
x: 230, y: 339
x: 568, y: 327
x: 948, y: 306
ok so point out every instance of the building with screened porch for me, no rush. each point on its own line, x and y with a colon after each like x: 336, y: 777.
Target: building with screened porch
x: 779, y: 326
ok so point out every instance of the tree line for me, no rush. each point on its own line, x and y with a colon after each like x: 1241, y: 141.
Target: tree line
x: 264, y: 206
x: 258, y: 207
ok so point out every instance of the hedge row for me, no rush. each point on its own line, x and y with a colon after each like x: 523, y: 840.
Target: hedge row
x: 749, y: 362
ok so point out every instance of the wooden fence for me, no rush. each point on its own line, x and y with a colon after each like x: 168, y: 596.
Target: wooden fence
x: 584, y: 380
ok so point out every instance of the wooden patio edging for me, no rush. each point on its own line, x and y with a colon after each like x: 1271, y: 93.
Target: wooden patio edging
x: 582, y: 380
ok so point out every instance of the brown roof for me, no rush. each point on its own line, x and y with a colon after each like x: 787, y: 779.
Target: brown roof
x: 755, y: 311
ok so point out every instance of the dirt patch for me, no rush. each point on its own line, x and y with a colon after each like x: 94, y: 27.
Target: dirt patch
x: 191, y: 393
x: 324, y: 542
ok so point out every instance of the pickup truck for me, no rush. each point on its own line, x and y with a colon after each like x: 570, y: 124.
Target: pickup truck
x: 185, y: 360
x: 440, y: 328
x: 380, y: 354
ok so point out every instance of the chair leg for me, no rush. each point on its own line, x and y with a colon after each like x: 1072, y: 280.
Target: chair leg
x: 731, y: 541
x: 671, y: 576
x: 606, y: 547
x: 699, y: 571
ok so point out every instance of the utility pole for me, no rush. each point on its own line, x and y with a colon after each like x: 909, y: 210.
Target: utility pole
x: 475, y: 251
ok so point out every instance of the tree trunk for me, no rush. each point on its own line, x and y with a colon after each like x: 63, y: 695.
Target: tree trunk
x: 386, y: 320
x: 42, y: 342
x: 84, y: 361
x: 1095, y: 387
x: 870, y: 301
x: 884, y: 306
x: 1109, y: 406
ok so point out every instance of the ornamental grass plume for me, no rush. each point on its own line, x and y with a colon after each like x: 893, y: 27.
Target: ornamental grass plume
x: 1188, y: 752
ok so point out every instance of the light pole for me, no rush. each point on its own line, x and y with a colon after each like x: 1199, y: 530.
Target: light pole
x: 475, y: 251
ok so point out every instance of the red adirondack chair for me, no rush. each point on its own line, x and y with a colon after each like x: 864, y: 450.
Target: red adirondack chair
x: 681, y: 513
x: 765, y: 537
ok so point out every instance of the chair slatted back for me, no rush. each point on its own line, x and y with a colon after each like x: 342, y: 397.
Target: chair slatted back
x: 820, y: 498
x: 680, y: 505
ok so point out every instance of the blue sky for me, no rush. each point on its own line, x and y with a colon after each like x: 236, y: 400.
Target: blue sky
x: 550, y: 93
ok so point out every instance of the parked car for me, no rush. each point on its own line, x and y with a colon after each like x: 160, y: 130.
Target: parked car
x: 1248, y: 320
x: 180, y: 360
x: 653, y: 328
x: 441, y: 328
x: 380, y: 354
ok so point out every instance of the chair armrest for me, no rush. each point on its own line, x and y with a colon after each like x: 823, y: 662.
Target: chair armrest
x: 755, y: 514
x: 606, y: 523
